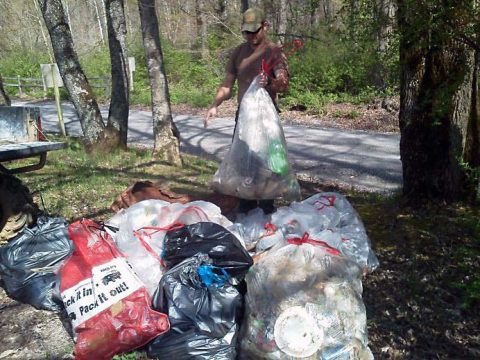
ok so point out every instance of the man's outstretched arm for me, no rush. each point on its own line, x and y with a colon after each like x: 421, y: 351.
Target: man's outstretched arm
x: 224, y: 92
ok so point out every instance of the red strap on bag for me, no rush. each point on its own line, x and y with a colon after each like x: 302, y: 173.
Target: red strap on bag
x: 288, y: 49
x: 271, y: 228
x: 321, y: 205
x: 307, y: 240
x: 140, y: 236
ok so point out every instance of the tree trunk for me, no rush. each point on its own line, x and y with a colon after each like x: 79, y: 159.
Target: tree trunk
x: 69, y: 20
x: 385, y: 18
x: 438, y: 109
x: 164, y: 131
x: 118, y: 113
x: 4, y: 99
x: 73, y: 77
x: 244, y: 5
x: 38, y: 17
x: 99, y: 20
x: 202, y: 27
x: 282, y: 20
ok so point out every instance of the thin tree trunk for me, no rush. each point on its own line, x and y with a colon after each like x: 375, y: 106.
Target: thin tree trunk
x: 4, y: 99
x: 67, y: 12
x: 168, y: 20
x: 164, y: 131
x: 128, y: 19
x: 99, y: 20
x: 104, y: 16
x: 119, y: 104
x: 202, y: 27
x: 44, y: 36
x: 73, y: 77
x: 386, y: 18
x: 244, y: 5
x: 282, y: 19
x: 313, y: 13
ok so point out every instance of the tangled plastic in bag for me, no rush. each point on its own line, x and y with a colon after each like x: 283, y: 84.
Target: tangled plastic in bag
x: 328, y: 217
x: 256, y: 166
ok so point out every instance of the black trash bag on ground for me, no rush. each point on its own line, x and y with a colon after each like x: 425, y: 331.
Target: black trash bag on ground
x: 29, y: 261
x: 203, y: 309
x: 221, y: 245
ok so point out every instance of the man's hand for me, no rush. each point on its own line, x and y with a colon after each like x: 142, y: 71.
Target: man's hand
x: 263, y: 79
x: 212, y: 112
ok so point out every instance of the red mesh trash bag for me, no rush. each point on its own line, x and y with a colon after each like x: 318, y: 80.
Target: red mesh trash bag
x: 107, y: 304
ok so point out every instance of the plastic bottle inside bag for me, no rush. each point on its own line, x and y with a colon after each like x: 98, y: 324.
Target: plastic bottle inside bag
x: 277, y: 158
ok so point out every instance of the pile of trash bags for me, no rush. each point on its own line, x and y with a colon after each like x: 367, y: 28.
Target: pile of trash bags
x: 181, y: 281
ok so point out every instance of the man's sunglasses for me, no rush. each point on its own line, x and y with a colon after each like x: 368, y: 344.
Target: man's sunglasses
x: 252, y: 32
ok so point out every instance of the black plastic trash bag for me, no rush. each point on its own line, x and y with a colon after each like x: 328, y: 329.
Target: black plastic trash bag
x: 203, y: 309
x: 221, y: 245
x: 28, y: 263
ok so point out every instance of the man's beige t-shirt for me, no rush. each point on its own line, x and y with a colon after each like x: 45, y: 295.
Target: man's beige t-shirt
x: 245, y: 63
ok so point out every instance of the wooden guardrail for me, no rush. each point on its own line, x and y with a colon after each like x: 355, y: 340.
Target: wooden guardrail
x: 22, y: 83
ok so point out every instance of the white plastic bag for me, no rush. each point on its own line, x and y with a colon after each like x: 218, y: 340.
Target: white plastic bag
x: 257, y: 167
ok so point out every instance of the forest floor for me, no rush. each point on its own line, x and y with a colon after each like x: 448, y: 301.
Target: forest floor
x: 416, y: 302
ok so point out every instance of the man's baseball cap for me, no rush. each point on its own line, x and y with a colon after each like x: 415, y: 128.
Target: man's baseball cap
x: 253, y: 19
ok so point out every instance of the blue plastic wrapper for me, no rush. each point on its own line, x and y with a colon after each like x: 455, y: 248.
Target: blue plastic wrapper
x: 212, y: 275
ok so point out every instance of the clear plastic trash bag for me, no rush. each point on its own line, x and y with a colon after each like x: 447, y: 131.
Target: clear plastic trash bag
x: 303, y: 302
x: 256, y: 166
x: 328, y: 217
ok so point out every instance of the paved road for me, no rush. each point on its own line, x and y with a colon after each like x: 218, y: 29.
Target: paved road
x: 362, y: 160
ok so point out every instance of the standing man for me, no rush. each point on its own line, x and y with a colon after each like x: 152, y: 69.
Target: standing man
x: 244, y: 64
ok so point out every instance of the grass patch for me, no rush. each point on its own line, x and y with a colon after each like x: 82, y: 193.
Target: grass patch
x: 76, y: 185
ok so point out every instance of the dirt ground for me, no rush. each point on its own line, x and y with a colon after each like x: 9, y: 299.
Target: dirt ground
x: 410, y: 314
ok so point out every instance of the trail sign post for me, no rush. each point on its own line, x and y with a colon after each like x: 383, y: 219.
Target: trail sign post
x: 131, y: 69
x: 52, y: 79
